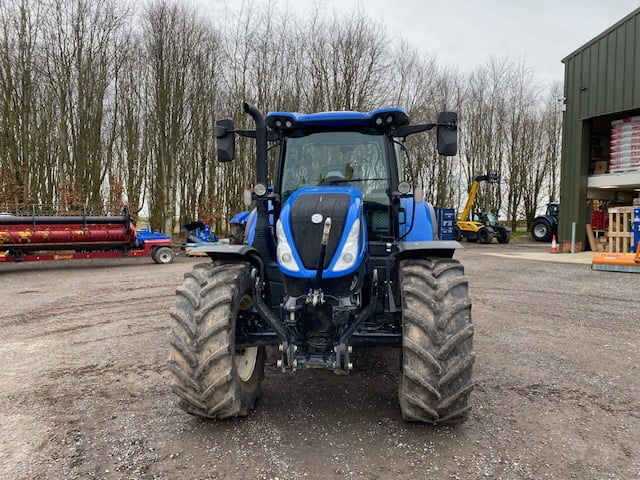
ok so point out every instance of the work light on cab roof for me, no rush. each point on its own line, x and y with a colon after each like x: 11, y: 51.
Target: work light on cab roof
x: 384, y: 118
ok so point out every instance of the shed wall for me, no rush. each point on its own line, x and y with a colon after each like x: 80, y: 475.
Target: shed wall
x: 601, y: 78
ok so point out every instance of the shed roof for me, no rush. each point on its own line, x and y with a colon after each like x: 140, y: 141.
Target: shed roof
x: 602, y: 35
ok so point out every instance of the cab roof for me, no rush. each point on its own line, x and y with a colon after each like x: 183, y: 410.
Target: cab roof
x: 382, y: 118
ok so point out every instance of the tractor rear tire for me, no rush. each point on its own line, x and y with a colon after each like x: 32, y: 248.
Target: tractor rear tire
x: 236, y: 234
x: 457, y: 234
x: 211, y: 377
x: 541, y: 230
x: 438, y: 356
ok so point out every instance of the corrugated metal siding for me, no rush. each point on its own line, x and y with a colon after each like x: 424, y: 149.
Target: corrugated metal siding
x: 601, y: 77
x: 606, y: 67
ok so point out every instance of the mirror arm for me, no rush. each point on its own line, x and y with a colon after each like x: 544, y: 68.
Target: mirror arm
x: 271, y: 136
x: 405, y: 131
x: 245, y: 133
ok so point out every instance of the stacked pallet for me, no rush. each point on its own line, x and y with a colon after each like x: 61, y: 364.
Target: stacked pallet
x: 625, y: 145
x: 620, y: 233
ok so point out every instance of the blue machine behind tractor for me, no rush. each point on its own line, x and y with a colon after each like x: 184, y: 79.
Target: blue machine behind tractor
x: 341, y: 252
x: 199, y: 232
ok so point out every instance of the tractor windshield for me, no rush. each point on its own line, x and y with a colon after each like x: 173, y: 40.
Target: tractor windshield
x: 335, y: 158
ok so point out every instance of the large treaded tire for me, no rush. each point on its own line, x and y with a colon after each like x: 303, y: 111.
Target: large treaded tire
x: 237, y: 234
x: 457, y: 234
x: 211, y: 378
x: 484, y: 236
x: 502, y: 234
x: 438, y: 356
x: 541, y: 230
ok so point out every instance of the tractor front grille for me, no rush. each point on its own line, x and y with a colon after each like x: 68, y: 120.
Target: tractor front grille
x: 307, y: 235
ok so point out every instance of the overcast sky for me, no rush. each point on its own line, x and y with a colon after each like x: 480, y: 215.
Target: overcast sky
x: 465, y: 33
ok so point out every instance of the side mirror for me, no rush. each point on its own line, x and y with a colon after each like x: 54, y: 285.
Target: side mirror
x: 448, y: 133
x: 225, y: 139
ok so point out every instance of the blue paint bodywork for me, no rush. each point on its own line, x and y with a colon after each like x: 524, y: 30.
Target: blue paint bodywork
x: 145, y: 234
x: 337, y: 119
x: 419, y: 226
x: 354, y: 213
x: 240, y: 218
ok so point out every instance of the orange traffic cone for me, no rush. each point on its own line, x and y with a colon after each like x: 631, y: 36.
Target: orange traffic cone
x: 554, y: 245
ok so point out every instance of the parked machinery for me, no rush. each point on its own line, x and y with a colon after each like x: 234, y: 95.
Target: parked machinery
x: 483, y: 226
x: 340, y: 253
x: 38, y: 237
x: 544, y: 227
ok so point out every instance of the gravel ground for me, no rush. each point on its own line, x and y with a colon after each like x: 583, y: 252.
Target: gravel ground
x: 85, y: 394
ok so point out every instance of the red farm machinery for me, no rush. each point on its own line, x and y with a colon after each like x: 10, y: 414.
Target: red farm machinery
x: 40, y: 236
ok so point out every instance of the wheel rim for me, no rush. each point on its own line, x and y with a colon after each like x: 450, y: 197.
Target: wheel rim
x: 540, y: 230
x: 164, y: 256
x: 246, y: 361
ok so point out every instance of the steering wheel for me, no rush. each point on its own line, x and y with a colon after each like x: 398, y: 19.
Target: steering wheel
x: 330, y: 179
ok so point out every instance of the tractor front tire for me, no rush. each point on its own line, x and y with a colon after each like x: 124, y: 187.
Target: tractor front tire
x: 211, y: 377
x: 438, y: 356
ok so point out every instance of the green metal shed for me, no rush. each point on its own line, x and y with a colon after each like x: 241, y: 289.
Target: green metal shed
x: 601, y: 86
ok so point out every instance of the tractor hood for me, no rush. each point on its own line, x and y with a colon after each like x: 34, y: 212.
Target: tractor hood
x: 300, y: 227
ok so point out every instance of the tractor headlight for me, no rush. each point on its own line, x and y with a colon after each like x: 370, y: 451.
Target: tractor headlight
x: 260, y: 189
x: 349, y: 253
x: 285, y: 257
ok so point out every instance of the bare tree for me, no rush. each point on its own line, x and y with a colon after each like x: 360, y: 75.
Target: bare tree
x: 484, y: 119
x: 103, y: 104
x: 172, y: 36
x: 18, y: 96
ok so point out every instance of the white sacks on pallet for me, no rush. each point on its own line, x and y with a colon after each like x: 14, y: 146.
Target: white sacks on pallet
x: 625, y: 145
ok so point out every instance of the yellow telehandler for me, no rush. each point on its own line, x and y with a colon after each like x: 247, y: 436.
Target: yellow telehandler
x: 482, y: 227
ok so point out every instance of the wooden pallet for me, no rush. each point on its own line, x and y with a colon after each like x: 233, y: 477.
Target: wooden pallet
x: 620, y: 233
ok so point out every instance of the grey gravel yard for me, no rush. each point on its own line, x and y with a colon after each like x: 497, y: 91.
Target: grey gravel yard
x: 85, y: 391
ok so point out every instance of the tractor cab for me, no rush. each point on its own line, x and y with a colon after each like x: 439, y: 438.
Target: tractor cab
x: 487, y: 218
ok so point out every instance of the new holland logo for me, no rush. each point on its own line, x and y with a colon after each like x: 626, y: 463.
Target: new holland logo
x: 316, y: 218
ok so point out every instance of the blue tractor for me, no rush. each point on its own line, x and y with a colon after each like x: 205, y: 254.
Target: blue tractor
x: 340, y: 252
x: 544, y: 227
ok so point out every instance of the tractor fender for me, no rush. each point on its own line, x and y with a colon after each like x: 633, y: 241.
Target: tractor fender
x: 227, y: 253
x: 436, y: 248
x: 552, y: 221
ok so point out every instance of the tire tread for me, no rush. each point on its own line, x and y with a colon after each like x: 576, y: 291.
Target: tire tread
x: 438, y: 356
